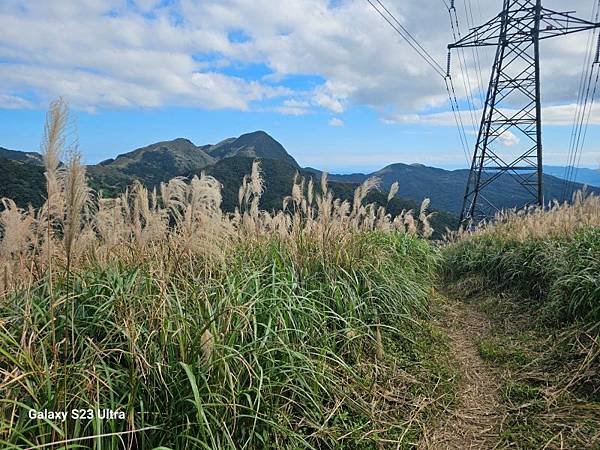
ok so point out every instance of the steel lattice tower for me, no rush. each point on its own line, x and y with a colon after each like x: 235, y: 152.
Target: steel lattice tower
x: 512, y: 106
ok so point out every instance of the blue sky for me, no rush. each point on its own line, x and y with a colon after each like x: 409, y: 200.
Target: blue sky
x: 329, y: 80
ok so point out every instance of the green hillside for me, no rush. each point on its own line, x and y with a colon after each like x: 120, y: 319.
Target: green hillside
x: 23, y: 182
x: 230, y: 160
x: 279, y: 177
x: 255, y: 145
x: 446, y: 188
x: 15, y: 155
x: 151, y: 165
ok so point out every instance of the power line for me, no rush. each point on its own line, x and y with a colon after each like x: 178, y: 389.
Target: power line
x: 470, y: 25
x: 457, y: 117
x: 407, y: 36
x: 577, y: 120
x: 586, y: 126
x: 583, y: 128
x: 464, y: 70
x: 582, y: 111
x: 381, y: 9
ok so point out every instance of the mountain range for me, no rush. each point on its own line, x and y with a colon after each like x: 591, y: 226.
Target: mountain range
x: 231, y: 159
x: 583, y: 175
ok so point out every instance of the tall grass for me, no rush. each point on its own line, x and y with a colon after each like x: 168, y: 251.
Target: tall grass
x: 544, y: 266
x: 296, y: 329
x: 549, y: 255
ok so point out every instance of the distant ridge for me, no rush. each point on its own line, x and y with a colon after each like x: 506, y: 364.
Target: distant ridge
x: 15, y: 155
x: 591, y: 177
x: 446, y: 188
x: 230, y: 159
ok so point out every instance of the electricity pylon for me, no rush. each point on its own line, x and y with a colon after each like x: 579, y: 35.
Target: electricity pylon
x: 512, y: 106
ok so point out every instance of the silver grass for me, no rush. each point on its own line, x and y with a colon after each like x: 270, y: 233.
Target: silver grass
x: 77, y: 196
x: 256, y: 180
x: 393, y: 191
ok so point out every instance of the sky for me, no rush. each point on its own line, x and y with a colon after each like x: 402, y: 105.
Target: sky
x: 329, y: 79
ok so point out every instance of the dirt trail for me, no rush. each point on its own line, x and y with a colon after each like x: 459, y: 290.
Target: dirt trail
x: 473, y: 424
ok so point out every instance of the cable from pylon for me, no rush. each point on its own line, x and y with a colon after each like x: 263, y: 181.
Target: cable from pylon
x: 462, y: 64
x: 408, y: 37
x: 582, y: 100
x: 589, y: 114
x: 420, y: 50
x: 457, y: 117
x: 582, y: 134
x: 476, y: 57
x: 583, y: 91
x: 576, y: 122
x: 411, y: 38
x: 585, y: 109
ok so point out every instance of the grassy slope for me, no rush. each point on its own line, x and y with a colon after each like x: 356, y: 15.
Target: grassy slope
x: 561, y: 272
x: 273, y: 349
x: 543, y: 296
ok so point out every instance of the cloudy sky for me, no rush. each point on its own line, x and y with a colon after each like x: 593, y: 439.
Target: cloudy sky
x: 327, y: 78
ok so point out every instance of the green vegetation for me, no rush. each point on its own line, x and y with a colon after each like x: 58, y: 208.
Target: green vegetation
x: 250, y: 307
x: 550, y: 373
x: 299, y: 329
x: 537, y: 276
x: 560, y: 270
x: 22, y: 181
x: 275, y: 349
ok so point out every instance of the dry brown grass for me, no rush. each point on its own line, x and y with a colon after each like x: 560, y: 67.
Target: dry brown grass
x: 75, y: 226
x: 558, y: 219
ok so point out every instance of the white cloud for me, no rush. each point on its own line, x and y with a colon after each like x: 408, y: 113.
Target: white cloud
x: 13, y: 102
x: 105, y: 53
x: 509, y: 139
x: 292, y: 107
x: 335, y: 122
x: 329, y: 102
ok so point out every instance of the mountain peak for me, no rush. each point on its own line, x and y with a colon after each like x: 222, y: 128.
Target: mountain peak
x: 260, y: 136
x: 257, y: 133
x: 182, y: 140
x: 257, y: 144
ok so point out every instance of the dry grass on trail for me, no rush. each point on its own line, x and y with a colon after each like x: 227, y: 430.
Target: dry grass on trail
x: 474, y: 421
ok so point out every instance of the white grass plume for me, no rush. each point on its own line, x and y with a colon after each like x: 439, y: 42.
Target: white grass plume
x: 393, y: 191
x: 77, y: 196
